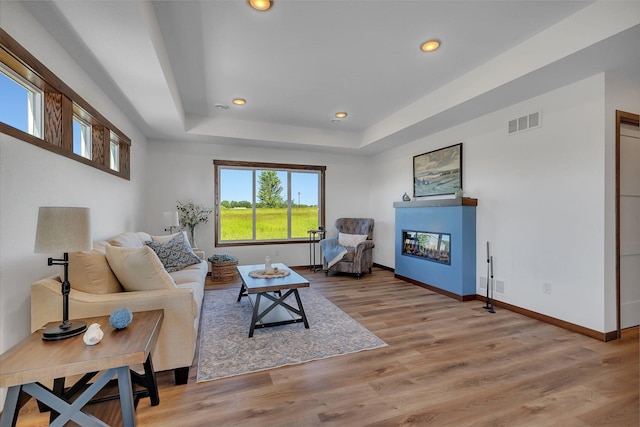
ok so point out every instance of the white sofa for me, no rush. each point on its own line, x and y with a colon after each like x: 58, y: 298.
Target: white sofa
x: 96, y: 293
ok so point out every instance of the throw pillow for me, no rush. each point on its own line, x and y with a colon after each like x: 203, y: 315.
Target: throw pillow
x: 138, y: 269
x: 168, y: 237
x: 89, y: 272
x: 176, y: 254
x: 351, y: 240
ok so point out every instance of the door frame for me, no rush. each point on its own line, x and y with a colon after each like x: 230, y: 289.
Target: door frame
x: 622, y: 117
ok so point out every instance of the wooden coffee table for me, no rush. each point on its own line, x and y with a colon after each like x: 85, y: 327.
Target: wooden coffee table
x: 33, y: 360
x: 269, y: 306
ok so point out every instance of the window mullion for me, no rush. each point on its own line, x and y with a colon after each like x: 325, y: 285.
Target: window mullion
x: 254, y: 205
x: 289, y: 205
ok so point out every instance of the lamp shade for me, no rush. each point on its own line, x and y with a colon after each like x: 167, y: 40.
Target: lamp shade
x: 63, y: 229
x: 171, y: 218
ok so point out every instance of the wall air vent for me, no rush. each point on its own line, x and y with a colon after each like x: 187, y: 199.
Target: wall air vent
x: 530, y: 121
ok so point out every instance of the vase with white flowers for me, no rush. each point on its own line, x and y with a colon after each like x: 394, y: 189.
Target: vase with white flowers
x: 190, y: 215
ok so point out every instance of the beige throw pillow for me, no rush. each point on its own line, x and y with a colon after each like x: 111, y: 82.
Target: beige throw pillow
x: 167, y: 238
x: 351, y: 240
x: 138, y: 269
x: 89, y: 272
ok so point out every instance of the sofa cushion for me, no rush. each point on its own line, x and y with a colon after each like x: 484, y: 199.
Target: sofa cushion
x: 127, y: 240
x: 351, y: 240
x: 175, y: 254
x: 138, y: 269
x: 89, y: 271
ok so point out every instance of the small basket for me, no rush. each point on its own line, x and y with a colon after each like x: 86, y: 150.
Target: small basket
x: 223, y: 267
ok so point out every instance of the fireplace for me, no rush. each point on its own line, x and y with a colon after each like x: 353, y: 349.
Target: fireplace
x: 430, y: 246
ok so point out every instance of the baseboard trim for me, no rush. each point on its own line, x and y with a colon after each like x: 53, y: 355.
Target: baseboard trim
x: 461, y: 298
x: 601, y: 336
x: 384, y: 267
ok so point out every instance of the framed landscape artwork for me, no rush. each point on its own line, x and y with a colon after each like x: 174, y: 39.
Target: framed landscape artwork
x: 438, y: 172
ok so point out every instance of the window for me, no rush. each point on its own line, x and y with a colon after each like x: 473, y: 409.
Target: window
x: 40, y: 109
x: 20, y: 103
x: 266, y: 202
x: 81, y: 138
x: 114, y: 152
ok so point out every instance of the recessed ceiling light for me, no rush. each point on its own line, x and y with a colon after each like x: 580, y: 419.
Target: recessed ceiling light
x: 239, y: 101
x: 341, y: 115
x: 221, y: 107
x: 430, y: 46
x: 260, y: 5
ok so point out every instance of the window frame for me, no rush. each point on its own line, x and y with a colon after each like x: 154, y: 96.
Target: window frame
x: 34, y: 100
x: 59, y: 104
x: 86, y: 150
x: 255, y: 166
x: 114, y: 148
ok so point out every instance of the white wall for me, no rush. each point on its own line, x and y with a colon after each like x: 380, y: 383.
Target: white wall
x: 184, y: 170
x: 540, y: 199
x: 31, y: 177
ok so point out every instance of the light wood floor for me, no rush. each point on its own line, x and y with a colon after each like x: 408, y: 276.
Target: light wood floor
x: 447, y: 363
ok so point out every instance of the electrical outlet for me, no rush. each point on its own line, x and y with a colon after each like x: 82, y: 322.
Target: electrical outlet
x: 546, y: 288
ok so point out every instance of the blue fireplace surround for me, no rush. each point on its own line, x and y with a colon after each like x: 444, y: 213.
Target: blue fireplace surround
x: 454, y: 216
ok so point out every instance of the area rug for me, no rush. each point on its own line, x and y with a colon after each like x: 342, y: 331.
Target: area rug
x: 226, y: 350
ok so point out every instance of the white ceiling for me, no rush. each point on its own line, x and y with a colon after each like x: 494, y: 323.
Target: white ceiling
x: 167, y: 63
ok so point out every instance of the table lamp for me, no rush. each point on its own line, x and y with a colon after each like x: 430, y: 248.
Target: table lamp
x: 171, y: 220
x: 63, y: 229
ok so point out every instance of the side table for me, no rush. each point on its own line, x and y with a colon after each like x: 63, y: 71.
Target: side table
x: 314, y: 237
x: 33, y: 360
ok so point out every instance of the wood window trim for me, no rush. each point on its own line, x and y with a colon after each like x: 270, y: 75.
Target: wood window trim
x: 58, y: 105
x: 270, y: 166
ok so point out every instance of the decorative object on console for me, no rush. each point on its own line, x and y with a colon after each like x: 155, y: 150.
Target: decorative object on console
x: 267, y: 265
x: 120, y: 318
x: 192, y: 214
x: 405, y: 197
x: 438, y: 172
x: 171, y: 220
x: 459, y: 193
x: 93, y: 335
x: 63, y: 229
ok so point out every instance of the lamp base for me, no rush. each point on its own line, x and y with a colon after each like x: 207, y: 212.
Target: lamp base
x: 56, y: 333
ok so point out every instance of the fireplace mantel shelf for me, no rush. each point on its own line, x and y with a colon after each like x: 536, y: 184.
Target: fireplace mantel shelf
x: 465, y: 201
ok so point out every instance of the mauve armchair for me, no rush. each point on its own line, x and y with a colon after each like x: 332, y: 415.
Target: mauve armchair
x: 359, y: 259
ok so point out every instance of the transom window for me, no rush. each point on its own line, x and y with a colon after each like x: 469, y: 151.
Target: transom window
x: 20, y: 103
x: 114, y: 152
x: 40, y: 109
x: 260, y: 203
x: 81, y: 138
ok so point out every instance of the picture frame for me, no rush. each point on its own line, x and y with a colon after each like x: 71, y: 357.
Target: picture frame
x: 438, y: 172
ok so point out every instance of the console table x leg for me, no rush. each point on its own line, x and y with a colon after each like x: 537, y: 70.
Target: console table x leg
x: 73, y: 411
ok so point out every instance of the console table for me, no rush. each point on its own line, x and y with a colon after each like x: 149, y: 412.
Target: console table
x: 33, y: 360
x: 314, y: 237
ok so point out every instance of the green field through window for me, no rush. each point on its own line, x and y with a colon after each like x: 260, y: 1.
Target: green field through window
x: 271, y: 223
